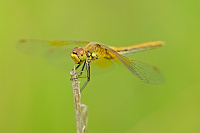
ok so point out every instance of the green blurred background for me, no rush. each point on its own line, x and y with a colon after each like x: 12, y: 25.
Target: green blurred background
x: 36, y: 97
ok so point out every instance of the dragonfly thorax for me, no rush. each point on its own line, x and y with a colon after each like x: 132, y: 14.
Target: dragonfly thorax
x: 93, y: 51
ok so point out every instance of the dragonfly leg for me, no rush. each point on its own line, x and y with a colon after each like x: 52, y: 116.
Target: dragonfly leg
x: 88, y: 76
x: 82, y: 69
x: 80, y: 74
x: 78, y: 66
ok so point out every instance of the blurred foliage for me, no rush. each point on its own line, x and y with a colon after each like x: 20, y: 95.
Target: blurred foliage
x: 35, y: 97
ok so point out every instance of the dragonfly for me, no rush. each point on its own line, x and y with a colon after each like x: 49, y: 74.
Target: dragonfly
x: 85, y: 53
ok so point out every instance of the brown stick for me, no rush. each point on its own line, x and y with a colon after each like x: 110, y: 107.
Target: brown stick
x: 80, y: 109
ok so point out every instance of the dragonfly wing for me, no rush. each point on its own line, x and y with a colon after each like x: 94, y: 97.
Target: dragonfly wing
x: 56, y: 52
x: 145, y: 72
x: 103, y: 63
x: 43, y: 47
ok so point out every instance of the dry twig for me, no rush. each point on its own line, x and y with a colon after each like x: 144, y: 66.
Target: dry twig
x: 80, y: 109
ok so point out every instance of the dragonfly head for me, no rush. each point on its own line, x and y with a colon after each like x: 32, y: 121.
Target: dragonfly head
x: 78, y: 55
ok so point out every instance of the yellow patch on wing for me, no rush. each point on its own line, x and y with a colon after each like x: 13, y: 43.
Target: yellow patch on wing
x: 102, y: 62
x: 57, y: 42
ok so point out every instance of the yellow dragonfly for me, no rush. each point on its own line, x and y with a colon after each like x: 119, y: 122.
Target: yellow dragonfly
x: 84, y: 53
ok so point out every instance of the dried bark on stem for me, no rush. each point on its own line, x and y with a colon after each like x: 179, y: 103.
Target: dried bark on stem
x: 80, y: 109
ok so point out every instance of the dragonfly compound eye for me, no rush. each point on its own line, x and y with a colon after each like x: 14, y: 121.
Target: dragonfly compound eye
x: 74, y: 51
x: 80, y: 51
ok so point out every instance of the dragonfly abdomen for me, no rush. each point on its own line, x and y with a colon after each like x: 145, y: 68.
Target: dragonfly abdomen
x: 138, y: 48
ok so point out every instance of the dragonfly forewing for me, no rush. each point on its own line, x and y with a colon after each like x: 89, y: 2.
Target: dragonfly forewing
x: 57, y: 53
